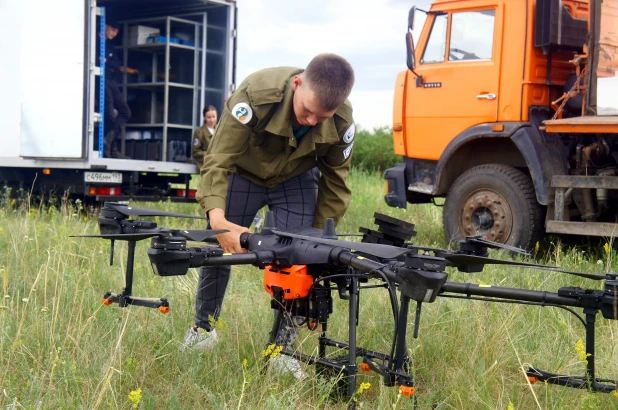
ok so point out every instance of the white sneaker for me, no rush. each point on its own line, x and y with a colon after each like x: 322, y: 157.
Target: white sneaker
x: 198, y: 338
x: 283, y: 363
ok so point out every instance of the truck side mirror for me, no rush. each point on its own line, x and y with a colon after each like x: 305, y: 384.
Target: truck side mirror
x: 411, y: 59
x: 411, y: 18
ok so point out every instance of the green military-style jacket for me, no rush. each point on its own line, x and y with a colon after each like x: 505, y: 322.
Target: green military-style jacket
x: 201, y: 140
x: 255, y: 140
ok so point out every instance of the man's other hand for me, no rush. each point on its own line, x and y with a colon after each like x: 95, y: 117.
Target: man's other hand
x: 229, y: 241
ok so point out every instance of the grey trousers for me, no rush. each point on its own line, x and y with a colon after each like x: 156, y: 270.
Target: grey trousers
x: 293, y: 204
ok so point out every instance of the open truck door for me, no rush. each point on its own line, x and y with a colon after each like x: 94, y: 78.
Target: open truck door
x: 52, y: 69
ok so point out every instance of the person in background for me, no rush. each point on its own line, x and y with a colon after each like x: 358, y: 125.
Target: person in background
x: 284, y: 140
x: 117, y: 112
x: 203, y: 135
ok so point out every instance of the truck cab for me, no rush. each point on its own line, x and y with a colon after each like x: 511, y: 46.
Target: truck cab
x: 473, y: 117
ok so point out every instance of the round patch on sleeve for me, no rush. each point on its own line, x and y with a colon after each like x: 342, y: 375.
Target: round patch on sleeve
x: 196, y: 141
x: 242, y: 112
x: 349, y: 134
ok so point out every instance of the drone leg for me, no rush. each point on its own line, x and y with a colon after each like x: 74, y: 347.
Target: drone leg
x: 351, y: 366
x: 111, y: 253
x: 400, y: 348
x: 590, y: 323
x: 128, y: 289
x: 322, y: 344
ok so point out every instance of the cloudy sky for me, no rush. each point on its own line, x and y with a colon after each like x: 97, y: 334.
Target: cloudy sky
x: 370, y: 35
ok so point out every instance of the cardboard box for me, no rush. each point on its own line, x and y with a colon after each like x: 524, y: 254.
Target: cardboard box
x: 139, y: 34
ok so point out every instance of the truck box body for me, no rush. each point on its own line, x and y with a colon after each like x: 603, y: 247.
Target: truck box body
x: 51, y: 92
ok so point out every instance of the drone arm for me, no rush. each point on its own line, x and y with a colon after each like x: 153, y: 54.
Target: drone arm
x: 509, y: 293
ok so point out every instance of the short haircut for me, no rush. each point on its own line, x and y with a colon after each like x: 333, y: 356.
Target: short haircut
x: 208, y: 108
x: 331, y: 78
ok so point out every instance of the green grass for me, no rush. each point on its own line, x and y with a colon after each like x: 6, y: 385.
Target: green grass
x: 61, y: 348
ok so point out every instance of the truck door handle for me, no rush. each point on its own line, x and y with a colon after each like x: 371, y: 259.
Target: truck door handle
x: 489, y: 96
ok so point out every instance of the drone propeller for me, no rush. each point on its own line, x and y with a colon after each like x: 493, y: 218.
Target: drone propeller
x: 193, y: 235
x: 130, y: 211
x: 495, y: 245
x: 460, y: 259
x: 378, y: 250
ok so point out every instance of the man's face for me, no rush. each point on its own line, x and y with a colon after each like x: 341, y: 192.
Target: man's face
x: 110, y: 32
x: 210, y: 118
x: 307, y: 111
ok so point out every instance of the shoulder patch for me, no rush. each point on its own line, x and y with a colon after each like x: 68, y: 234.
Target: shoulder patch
x: 196, y: 141
x: 347, y: 151
x: 349, y: 134
x: 242, y: 112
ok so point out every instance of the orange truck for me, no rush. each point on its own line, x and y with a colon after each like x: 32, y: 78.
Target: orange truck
x: 509, y: 111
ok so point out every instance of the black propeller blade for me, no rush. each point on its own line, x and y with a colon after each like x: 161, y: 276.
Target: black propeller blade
x: 460, y: 259
x: 194, y: 235
x: 130, y: 211
x: 378, y: 250
x: 495, y: 245
x: 121, y: 236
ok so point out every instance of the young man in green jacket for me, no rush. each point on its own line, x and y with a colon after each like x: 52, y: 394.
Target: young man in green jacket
x: 284, y: 140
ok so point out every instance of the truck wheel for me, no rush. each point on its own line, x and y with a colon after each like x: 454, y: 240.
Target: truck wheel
x: 495, y: 201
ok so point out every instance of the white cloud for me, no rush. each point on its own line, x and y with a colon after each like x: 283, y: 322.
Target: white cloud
x: 369, y: 34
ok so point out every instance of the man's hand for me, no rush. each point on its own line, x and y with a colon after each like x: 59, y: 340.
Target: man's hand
x: 229, y: 241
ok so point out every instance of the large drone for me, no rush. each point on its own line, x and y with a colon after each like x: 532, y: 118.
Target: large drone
x: 302, y: 268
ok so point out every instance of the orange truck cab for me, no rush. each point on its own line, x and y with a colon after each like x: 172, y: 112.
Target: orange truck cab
x: 506, y: 110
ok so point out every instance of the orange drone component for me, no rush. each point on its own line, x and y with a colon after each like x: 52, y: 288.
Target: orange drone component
x: 294, y: 281
x: 108, y: 301
x: 407, y: 391
x: 164, y: 309
x: 532, y: 379
x: 365, y: 367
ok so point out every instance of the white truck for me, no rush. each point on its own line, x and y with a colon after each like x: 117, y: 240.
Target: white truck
x: 178, y: 57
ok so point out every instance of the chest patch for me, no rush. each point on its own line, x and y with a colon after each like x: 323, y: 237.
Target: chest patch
x: 349, y: 134
x: 242, y: 112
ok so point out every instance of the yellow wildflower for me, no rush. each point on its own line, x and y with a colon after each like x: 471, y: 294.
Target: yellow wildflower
x: 537, y: 246
x: 511, y: 406
x: 363, y: 387
x: 606, y: 248
x: 579, y: 348
x: 244, y: 363
x: 616, y: 394
x: 135, y: 396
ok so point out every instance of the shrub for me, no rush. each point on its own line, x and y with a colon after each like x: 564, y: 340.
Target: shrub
x: 374, y: 150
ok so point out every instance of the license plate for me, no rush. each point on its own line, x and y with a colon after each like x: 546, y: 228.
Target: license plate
x: 103, y: 177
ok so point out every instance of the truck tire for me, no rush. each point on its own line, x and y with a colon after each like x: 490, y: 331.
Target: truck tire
x: 495, y: 201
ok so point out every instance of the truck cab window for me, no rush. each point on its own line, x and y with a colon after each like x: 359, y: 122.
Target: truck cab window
x: 436, y: 45
x: 472, y: 35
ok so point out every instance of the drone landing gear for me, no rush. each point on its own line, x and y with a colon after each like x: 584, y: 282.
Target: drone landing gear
x: 125, y: 298
x: 589, y: 381
x: 392, y: 369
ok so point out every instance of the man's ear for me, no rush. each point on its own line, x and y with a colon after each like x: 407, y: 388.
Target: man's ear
x: 296, y: 82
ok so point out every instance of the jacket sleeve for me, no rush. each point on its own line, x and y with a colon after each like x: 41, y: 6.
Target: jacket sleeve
x: 333, y: 193
x: 231, y: 142
x: 199, y: 147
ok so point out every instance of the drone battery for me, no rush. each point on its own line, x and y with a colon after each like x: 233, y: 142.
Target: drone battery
x: 294, y: 281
